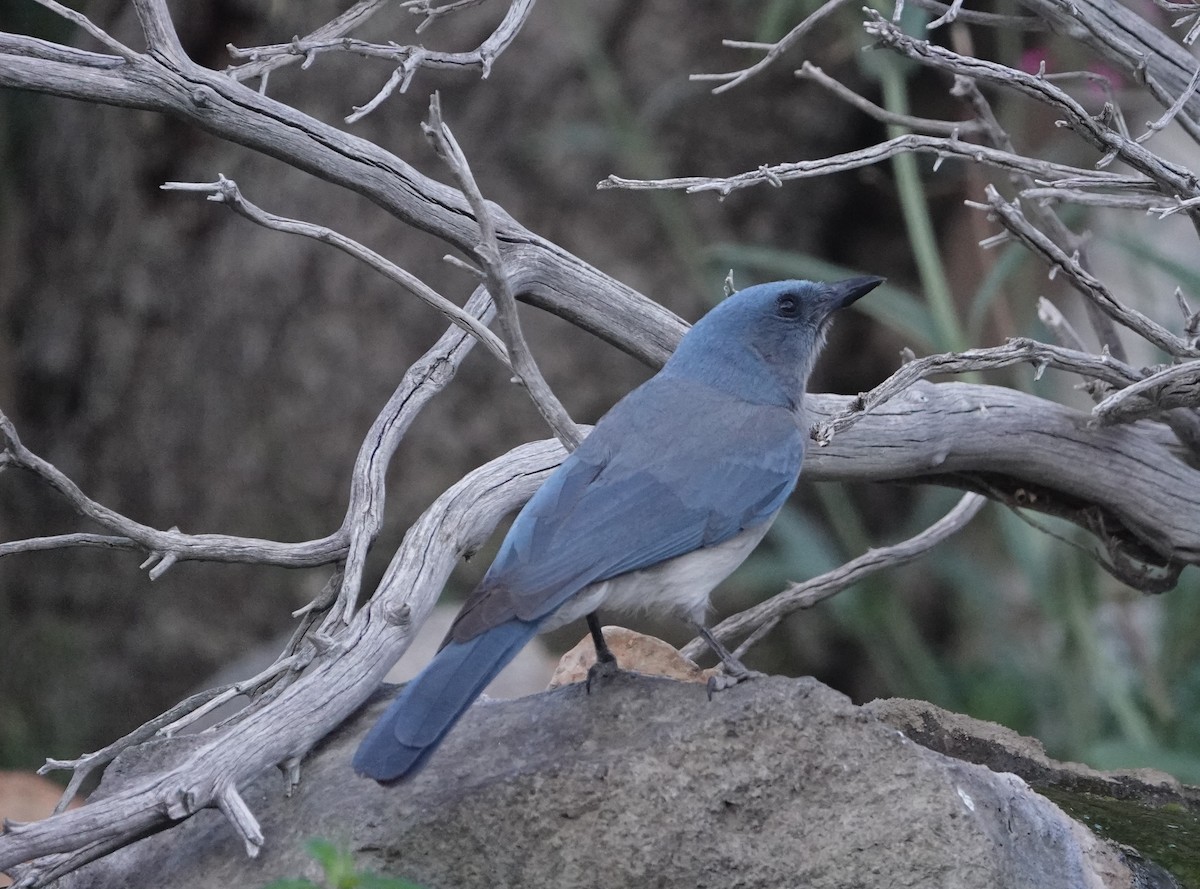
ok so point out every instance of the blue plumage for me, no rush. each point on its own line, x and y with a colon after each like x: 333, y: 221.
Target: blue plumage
x: 428, y: 706
x: 669, y: 493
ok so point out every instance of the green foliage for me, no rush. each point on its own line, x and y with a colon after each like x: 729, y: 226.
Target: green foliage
x: 340, y: 872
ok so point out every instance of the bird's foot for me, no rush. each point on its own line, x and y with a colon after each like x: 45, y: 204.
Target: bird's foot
x: 733, y: 672
x: 604, y: 669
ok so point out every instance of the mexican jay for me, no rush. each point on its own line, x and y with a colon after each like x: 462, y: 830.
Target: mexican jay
x: 671, y: 491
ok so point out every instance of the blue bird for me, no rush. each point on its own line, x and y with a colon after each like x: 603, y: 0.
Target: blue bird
x: 674, y: 487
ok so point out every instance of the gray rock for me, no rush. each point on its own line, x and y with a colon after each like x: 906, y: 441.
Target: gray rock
x: 778, y: 782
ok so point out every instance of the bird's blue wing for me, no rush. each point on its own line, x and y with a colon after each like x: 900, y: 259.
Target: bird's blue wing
x: 672, y: 468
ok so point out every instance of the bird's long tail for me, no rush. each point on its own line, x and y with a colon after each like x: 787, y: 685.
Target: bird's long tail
x: 430, y: 704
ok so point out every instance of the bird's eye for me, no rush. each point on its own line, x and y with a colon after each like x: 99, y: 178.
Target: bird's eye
x: 788, y: 306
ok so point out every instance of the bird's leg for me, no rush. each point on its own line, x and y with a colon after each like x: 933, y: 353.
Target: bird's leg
x: 734, y: 670
x: 606, y: 661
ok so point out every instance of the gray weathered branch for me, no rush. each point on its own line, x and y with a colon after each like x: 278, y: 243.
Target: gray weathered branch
x: 948, y: 432
x: 495, y: 275
x: 540, y: 272
x: 410, y: 59
x: 939, y: 146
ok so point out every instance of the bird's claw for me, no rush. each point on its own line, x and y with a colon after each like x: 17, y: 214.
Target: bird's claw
x: 730, y: 677
x: 601, y: 671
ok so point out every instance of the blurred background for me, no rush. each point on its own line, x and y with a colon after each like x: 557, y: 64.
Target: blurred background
x: 188, y: 368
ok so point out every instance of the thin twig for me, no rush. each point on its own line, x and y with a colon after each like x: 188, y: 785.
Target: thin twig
x: 1191, y: 13
x: 86, y: 765
x: 247, y: 687
x: 209, y: 547
x: 498, y: 285
x: 226, y: 191
x: 67, y: 541
x: 82, y: 21
x: 1085, y: 282
x: 239, y: 816
x: 368, y: 493
x: 936, y: 145
x: 364, y: 513
x: 1056, y: 322
x: 987, y: 19
x: 731, y: 79
x: 1172, y: 178
x: 1172, y: 387
x: 994, y: 134
x: 433, y: 13
x: 1173, y: 111
x: 1179, y: 206
x: 1147, y: 203
x: 1015, y: 351
x: 762, y: 618
x: 409, y: 59
x: 947, y: 17
x: 260, y: 64
x: 954, y: 128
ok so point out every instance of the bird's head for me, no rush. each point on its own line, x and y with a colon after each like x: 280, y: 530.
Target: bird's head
x: 761, y: 342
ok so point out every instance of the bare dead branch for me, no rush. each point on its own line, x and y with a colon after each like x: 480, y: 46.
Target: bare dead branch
x: 82, y: 21
x: 159, y: 30
x: 773, y: 51
x: 762, y: 618
x: 1171, y: 178
x: 66, y: 541
x: 1118, y: 35
x: 967, y: 129
x: 1172, y: 387
x: 1191, y: 14
x: 943, y: 148
x: 987, y: 19
x: 1016, y: 351
x: 1045, y: 195
x: 262, y: 65
x: 952, y: 432
x: 206, y: 547
x: 409, y: 59
x: 207, y: 766
x: 496, y: 276
x: 1085, y: 282
x: 994, y: 134
x: 432, y: 13
x: 226, y: 191
x: 542, y: 274
x: 1174, y: 111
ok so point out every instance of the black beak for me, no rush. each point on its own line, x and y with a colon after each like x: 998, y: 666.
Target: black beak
x: 841, y: 293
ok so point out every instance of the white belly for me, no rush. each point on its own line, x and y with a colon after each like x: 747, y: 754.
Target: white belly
x: 680, y: 585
